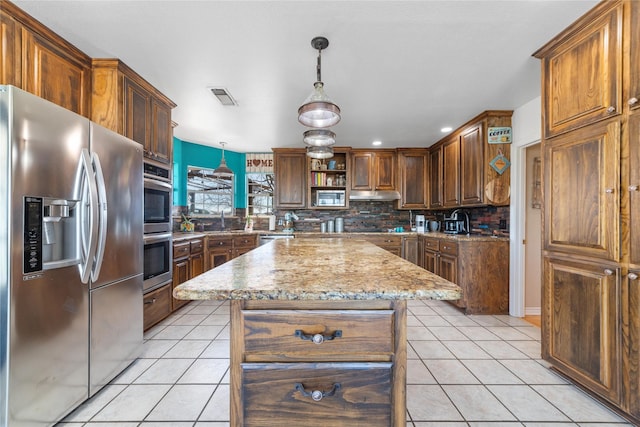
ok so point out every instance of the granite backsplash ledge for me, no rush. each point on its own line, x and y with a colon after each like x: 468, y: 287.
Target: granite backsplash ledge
x: 362, y: 216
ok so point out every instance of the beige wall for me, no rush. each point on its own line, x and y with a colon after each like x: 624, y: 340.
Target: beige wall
x: 533, y: 238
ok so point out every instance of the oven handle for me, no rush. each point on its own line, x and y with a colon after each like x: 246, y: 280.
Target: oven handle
x: 155, y: 238
x: 154, y: 184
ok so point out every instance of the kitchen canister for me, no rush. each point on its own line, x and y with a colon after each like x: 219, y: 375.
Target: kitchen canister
x: 330, y: 226
x: 339, y: 225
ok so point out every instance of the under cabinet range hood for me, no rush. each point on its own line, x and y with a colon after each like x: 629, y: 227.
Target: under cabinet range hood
x: 374, y: 195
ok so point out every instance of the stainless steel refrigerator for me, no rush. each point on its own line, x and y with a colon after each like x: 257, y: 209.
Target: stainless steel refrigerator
x: 70, y: 258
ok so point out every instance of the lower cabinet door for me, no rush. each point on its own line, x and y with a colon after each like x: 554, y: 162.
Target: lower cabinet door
x: 317, y: 394
x: 581, y: 319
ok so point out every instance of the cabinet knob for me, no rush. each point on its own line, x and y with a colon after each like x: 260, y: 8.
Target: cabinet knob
x: 608, y: 272
x: 609, y: 191
x: 611, y: 109
x: 633, y: 276
x: 317, y: 338
x: 633, y: 101
x: 317, y: 395
x: 633, y: 188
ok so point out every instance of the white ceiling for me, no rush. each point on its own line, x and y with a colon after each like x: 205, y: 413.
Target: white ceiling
x: 399, y: 70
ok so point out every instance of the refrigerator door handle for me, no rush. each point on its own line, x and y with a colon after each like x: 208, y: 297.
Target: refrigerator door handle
x: 89, y: 242
x: 102, y: 215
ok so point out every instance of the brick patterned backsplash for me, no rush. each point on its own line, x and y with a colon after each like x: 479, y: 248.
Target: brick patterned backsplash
x: 372, y: 216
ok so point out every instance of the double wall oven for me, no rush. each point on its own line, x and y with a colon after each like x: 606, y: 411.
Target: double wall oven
x: 157, y: 226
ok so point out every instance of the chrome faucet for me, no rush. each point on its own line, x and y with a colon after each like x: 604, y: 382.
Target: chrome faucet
x: 222, y: 220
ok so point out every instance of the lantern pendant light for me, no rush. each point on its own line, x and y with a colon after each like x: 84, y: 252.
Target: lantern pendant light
x: 222, y: 170
x: 318, y: 111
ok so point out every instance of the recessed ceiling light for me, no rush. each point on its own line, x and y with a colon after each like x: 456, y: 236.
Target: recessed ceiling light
x: 446, y: 129
x: 376, y: 143
x: 223, y: 96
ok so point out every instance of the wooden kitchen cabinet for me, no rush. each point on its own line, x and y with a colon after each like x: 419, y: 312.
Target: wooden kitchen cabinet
x: 591, y: 304
x: 633, y: 188
x: 322, y: 178
x: 219, y: 250
x: 244, y: 243
x: 273, y: 368
x: 435, y: 177
x: 585, y: 298
x: 36, y: 59
x: 451, y: 172
x: 373, y: 170
x: 126, y: 103
x: 410, y: 250
x: 582, y: 71
x: 461, y: 171
x: 290, y: 166
x: 188, y: 262
x: 582, y: 178
x: 472, y: 165
x: 480, y: 266
x: 156, y: 305
x: 413, y: 178
x: 224, y: 247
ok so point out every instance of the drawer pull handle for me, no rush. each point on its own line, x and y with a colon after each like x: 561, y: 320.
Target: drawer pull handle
x: 317, y: 338
x: 317, y: 395
x: 151, y: 301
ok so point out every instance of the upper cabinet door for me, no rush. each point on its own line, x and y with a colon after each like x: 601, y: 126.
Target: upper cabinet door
x: 582, y: 75
x: 362, y: 171
x: 413, y: 169
x: 633, y: 186
x: 451, y: 172
x: 136, y: 111
x: 472, y: 166
x: 385, y: 170
x: 55, y: 75
x: 435, y: 177
x: 581, y: 184
x: 290, y: 186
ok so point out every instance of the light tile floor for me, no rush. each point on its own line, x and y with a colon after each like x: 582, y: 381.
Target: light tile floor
x: 475, y: 371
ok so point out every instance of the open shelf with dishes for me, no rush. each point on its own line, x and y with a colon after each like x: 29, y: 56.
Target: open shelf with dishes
x: 328, y: 181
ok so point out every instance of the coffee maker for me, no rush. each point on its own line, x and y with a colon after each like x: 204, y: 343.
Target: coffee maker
x: 421, y: 224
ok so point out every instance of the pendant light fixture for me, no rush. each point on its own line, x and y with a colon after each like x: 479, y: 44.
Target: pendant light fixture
x: 318, y: 111
x: 320, y: 152
x: 319, y: 137
x: 222, y: 170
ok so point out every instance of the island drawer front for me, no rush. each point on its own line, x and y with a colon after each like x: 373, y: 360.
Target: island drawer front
x: 450, y: 248
x: 432, y: 244
x: 270, y: 335
x: 270, y: 397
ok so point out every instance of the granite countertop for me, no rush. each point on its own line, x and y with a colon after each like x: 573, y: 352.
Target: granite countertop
x: 177, y: 236
x: 317, y: 269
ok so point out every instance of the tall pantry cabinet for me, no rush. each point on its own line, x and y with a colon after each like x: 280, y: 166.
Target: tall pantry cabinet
x: 591, y: 213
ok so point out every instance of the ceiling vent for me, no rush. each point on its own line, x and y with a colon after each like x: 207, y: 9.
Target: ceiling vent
x: 223, y: 96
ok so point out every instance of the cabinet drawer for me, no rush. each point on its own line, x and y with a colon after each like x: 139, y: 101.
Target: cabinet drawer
x: 450, y: 248
x: 275, y: 391
x: 197, y: 246
x: 432, y: 244
x: 181, y: 250
x: 249, y: 241
x: 219, y: 242
x: 365, y: 335
x: 157, y: 305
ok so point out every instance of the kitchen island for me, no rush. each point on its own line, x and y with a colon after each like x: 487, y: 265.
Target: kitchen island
x: 318, y: 331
